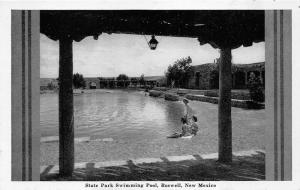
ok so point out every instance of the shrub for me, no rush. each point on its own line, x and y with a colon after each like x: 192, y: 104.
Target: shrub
x: 155, y: 93
x: 256, y: 89
x: 171, y: 97
x: 211, y: 93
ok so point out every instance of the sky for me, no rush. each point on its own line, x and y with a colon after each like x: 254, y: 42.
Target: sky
x: 114, y: 54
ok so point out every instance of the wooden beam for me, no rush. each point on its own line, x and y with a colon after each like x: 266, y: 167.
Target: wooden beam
x: 225, y: 129
x: 240, y: 27
x: 66, y: 115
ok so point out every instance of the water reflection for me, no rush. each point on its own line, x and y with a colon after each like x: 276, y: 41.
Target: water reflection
x: 114, y: 114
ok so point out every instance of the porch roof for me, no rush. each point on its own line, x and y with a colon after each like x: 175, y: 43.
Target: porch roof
x: 219, y: 28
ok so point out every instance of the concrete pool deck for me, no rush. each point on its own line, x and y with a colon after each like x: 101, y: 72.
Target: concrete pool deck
x: 246, y: 166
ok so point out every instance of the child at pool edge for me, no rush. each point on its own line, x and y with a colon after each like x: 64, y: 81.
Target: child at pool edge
x: 194, y: 125
x: 186, y: 130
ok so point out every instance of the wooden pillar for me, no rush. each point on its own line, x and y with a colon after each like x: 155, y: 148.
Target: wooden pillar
x: 66, y: 116
x: 225, y: 136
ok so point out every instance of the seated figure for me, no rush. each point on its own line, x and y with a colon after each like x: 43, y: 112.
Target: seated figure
x: 194, y: 125
x: 186, y: 130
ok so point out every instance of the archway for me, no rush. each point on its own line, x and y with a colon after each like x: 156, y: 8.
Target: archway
x: 214, y: 79
x: 197, y: 80
x: 240, y: 80
x: 93, y: 85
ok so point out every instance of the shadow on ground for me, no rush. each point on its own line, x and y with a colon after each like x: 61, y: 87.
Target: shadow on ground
x: 243, y: 168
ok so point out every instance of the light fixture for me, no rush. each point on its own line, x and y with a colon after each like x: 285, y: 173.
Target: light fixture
x: 153, y: 43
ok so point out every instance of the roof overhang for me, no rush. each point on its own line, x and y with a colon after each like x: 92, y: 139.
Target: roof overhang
x: 220, y: 28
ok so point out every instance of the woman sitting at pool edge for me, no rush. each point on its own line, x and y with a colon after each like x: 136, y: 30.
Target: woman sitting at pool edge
x: 191, y: 119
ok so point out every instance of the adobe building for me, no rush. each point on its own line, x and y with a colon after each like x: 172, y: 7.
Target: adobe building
x: 206, y: 76
x: 92, y: 83
x: 45, y: 83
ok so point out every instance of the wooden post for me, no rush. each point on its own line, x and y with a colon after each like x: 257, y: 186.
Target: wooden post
x: 66, y: 117
x: 225, y: 136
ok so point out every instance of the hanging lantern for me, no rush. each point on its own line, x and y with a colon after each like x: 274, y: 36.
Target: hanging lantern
x: 153, y: 43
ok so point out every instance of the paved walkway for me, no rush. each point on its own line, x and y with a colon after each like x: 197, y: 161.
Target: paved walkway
x: 246, y: 166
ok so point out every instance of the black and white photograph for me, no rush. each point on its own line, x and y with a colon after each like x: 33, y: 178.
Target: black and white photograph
x: 150, y: 98
x: 134, y: 95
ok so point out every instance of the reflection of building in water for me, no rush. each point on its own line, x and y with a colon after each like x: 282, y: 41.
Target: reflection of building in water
x: 206, y: 76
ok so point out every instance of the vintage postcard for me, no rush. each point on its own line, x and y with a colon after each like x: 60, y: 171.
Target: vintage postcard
x: 149, y: 96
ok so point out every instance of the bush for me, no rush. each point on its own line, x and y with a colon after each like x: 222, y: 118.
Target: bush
x: 161, y: 88
x: 155, y: 93
x: 50, y: 86
x: 182, y: 92
x: 240, y: 95
x: 211, y: 93
x: 254, y: 105
x: 256, y: 88
x: 171, y: 97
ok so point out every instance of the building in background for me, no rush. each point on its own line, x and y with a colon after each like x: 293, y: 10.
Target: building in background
x: 206, y: 76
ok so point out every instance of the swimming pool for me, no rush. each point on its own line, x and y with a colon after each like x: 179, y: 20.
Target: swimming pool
x: 137, y: 126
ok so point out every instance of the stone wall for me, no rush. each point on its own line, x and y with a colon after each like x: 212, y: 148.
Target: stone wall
x: 246, y: 104
x: 202, y: 73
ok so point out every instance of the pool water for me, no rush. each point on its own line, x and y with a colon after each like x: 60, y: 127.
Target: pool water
x: 138, y: 126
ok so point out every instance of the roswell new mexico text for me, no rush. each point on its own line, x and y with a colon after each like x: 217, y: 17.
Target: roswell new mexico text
x: 153, y: 185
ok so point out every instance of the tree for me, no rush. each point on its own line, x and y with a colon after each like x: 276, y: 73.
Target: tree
x: 111, y: 83
x: 142, y: 80
x: 51, y: 86
x: 256, y: 88
x: 122, y: 77
x: 123, y: 80
x: 103, y: 82
x: 101, y: 78
x: 179, y: 72
x: 134, y: 81
x: 78, y: 81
